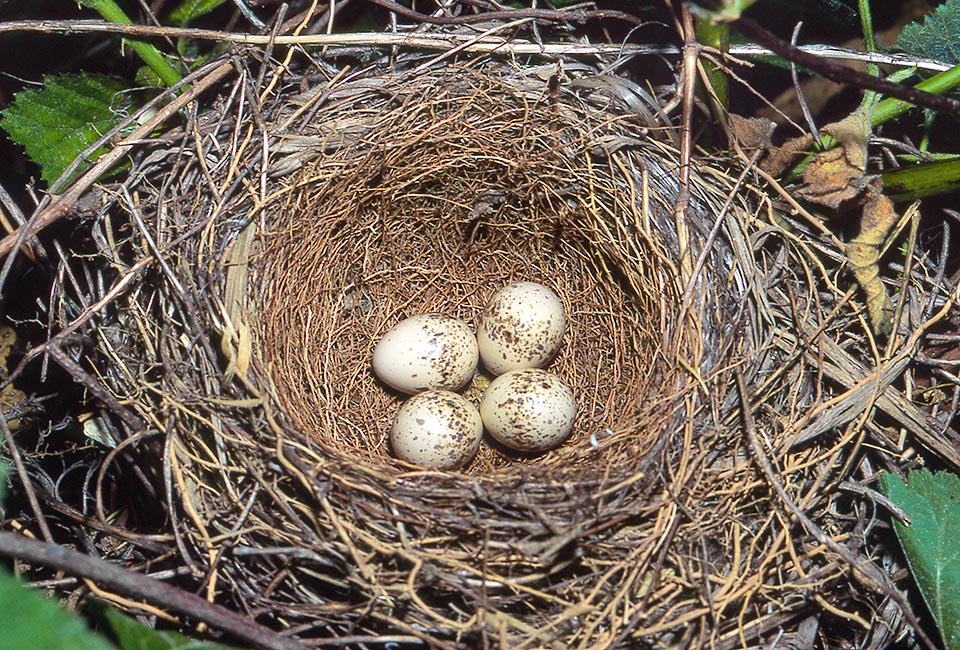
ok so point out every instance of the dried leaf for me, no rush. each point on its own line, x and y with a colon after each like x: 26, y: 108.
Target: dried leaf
x: 236, y: 343
x: 780, y: 157
x: 835, y: 179
x: 753, y: 133
x: 879, y: 217
x: 836, y: 176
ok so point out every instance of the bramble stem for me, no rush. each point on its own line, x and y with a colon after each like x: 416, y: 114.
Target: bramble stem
x: 717, y: 36
x: 890, y: 108
x: 923, y: 180
x: 112, y: 12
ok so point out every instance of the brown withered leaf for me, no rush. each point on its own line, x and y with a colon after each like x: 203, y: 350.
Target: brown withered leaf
x: 780, y: 157
x: 753, y: 133
x: 837, y: 179
x: 836, y: 176
x: 879, y: 217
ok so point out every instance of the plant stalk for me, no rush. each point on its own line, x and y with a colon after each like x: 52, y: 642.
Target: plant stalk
x: 717, y: 36
x: 112, y: 12
x: 921, y: 181
x: 891, y: 108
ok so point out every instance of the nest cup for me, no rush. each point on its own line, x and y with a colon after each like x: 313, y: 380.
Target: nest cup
x: 461, y: 183
x: 427, y: 194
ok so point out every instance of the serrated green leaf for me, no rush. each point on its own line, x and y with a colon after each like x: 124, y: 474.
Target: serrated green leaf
x: 937, y: 37
x: 68, y: 114
x: 190, y: 10
x: 931, y: 542
x: 29, y: 621
x: 130, y: 635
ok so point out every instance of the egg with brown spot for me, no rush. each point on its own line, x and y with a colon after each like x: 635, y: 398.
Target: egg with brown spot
x: 437, y: 429
x: 528, y: 410
x: 521, y: 327
x: 426, y: 352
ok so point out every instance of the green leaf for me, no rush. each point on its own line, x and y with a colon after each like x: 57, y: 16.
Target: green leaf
x: 131, y: 635
x: 29, y: 621
x: 190, y: 10
x: 931, y: 542
x: 68, y: 114
x: 937, y: 37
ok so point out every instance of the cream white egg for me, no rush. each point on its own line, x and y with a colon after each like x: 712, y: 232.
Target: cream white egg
x: 426, y: 352
x: 528, y: 410
x: 520, y: 327
x: 437, y: 429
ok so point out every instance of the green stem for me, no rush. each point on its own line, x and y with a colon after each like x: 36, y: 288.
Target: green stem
x: 921, y: 181
x: 890, y: 108
x: 866, y: 23
x: 715, y: 35
x: 150, y: 55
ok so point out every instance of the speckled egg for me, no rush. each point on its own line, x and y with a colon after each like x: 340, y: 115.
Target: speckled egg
x: 521, y: 327
x: 426, y: 352
x: 528, y: 410
x: 437, y: 429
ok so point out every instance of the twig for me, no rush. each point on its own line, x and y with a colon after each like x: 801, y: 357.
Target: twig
x: 137, y: 585
x: 867, y: 574
x: 6, y: 201
x: 848, y: 54
x: 443, y: 41
x: 25, y: 479
x: 570, y: 15
x: 807, y: 115
x: 89, y: 312
x: 357, y: 640
x: 680, y: 213
x: 843, y: 74
x: 247, y: 13
x: 876, y: 497
x: 463, y: 46
x: 91, y: 384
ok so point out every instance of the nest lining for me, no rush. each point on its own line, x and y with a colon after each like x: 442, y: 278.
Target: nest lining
x: 456, y: 193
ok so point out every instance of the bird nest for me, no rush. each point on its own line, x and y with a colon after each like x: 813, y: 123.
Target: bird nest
x: 247, y: 264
